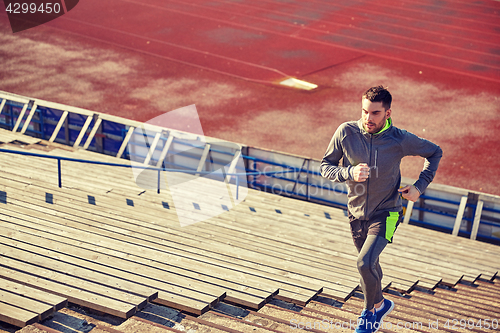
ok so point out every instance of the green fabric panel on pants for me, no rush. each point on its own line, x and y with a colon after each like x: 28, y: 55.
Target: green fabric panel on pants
x: 390, y: 226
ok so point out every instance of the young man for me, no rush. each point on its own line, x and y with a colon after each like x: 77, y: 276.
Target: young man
x: 371, y: 150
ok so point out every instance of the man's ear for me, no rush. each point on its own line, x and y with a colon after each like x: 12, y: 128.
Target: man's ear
x: 388, y: 113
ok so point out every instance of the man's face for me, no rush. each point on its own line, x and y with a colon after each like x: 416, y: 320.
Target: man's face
x: 374, y: 116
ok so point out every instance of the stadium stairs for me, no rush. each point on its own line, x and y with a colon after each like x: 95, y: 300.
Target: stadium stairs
x: 102, y: 246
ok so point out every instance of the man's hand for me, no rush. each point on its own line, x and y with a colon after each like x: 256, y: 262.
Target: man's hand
x: 409, y: 192
x: 361, y: 172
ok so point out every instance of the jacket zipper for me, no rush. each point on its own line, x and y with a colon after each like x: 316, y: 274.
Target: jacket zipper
x: 368, y: 180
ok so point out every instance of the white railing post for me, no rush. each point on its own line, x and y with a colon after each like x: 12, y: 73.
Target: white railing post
x: 58, y: 127
x: 460, y: 215
x: 21, y: 116
x: 2, y: 104
x: 203, y: 158
x: 409, y: 210
x: 125, y: 141
x: 477, y: 220
x: 152, y: 148
x: 83, y: 131
x: 30, y: 116
x: 92, y: 133
x: 166, y: 147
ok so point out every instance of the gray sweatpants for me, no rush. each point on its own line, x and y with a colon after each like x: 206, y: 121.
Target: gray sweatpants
x: 370, y: 238
x: 370, y: 270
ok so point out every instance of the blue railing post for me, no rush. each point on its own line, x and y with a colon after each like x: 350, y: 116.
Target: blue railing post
x: 159, y: 181
x: 59, y: 172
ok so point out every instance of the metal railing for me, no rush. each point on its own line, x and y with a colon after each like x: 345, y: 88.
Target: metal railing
x: 236, y: 175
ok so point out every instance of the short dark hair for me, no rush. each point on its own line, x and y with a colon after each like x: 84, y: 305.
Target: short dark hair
x: 379, y: 94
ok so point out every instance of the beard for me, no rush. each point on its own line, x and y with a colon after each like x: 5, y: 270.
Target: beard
x: 373, y: 128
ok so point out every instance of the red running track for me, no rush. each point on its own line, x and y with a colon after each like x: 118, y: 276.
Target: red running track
x: 267, y: 40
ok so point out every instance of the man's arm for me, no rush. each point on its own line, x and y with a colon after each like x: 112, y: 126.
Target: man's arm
x: 415, y: 146
x: 330, y: 164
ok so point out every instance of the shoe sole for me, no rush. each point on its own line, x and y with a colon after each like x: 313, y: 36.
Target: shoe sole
x: 385, y: 315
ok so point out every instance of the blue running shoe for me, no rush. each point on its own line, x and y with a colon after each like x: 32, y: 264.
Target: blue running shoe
x: 380, y: 315
x: 366, y: 322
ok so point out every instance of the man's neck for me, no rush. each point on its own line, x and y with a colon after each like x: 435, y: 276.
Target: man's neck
x: 388, y: 122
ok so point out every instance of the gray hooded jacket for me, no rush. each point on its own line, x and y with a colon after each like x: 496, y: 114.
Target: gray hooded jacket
x: 383, y: 153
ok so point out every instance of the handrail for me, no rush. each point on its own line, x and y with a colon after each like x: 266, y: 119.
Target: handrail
x: 281, y: 165
x: 78, y: 160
